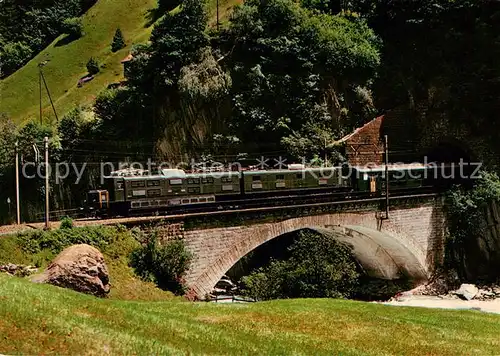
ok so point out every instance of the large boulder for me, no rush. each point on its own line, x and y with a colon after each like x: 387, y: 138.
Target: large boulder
x: 78, y: 267
x: 467, y: 291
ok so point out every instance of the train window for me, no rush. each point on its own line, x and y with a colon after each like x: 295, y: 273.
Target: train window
x: 176, y: 189
x: 153, y: 183
x: 119, y: 185
x: 185, y: 201
x: 194, y: 181
x: 207, y: 180
x: 194, y: 200
x: 227, y: 179
x: 193, y: 189
x: 280, y: 177
x: 256, y: 178
x: 203, y: 200
x: 175, y: 181
x: 154, y: 192
x: 137, y: 184
x: 144, y: 203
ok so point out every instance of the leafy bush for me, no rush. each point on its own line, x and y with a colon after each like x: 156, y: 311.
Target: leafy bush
x: 318, y: 267
x: 55, y: 241
x: 73, y: 27
x: 118, y: 41
x: 165, y: 265
x: 468, y: 250
x: 66, y: 223
x: 13, y: 56
x: 92, y: 66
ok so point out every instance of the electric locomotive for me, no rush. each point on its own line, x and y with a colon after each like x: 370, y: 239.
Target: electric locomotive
x: 137, y: 193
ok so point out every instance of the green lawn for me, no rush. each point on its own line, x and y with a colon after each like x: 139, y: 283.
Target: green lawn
x: 19, y: 93
x: 36, y: 319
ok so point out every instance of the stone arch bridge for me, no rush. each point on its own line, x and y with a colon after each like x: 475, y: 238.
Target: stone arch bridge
x: 409, y: 243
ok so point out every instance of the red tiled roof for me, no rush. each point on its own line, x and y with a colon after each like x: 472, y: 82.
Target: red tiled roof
x: 127, y: 59
x: 360, y: 129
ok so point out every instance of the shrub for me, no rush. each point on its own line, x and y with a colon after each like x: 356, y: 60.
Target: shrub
x: 73, y: 27
x: 118, y: 41
x: 14, y: 56
x: 468, y: 249
x: 92, y: 66
x: 66, y: 223
x: 165, y: 265
x: 57, y: 240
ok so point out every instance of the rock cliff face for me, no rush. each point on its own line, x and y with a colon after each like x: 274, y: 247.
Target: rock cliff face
x: 78, y: 267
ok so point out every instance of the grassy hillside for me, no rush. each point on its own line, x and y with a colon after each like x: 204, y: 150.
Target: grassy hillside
x: 38, y: 319
x: 19, y: 93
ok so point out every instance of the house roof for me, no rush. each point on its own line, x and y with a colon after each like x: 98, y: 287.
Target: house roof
x: 359, y: 130
x: 127, y: 59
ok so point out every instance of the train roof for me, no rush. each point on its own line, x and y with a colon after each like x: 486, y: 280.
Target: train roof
x: 292, y: 171
x: 392, y: 167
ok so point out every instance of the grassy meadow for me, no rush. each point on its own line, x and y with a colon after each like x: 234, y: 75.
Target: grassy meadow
x: 42, y: 319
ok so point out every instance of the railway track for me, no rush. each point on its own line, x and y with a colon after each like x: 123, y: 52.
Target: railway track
x: 235, y: 207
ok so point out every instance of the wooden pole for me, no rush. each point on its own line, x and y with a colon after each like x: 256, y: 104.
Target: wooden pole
x: 40, y: 90
x: 386, y: 147
x: 47, y: 222
x: 217, y: 15
x: 48, y: 93
x: 18, y: 209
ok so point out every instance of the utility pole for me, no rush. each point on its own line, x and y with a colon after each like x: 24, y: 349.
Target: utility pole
x: 40, y: 90
x: 386, y: 148
x: 18, y: 210
x: 47, y: 222
x: 217, y: 15
x: 48, y: 93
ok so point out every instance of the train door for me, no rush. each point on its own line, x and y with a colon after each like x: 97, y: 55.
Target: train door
x: 373, y: 185
x: 103, y: 199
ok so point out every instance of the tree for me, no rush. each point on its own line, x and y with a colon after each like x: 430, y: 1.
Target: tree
x: 164, y: 264
x: 118, y: 41
x: 73, y: 27
x: 13, y: 56
x: 295, y: 69
x: 92, y: 66
x: 177, y: 41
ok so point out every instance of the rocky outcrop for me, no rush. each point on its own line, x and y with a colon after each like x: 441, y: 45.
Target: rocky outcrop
x: 78, y: 267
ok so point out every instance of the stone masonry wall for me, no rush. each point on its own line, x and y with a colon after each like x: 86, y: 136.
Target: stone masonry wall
x: 421, y: 230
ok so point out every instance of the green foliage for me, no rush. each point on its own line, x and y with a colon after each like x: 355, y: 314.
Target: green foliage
x: 26, y: 27
x: 466, y: 216
x: 318, y: 267
x: 118, y: 41
x: 66, y: 223
x: 163, y: 264
x: 13, y: 55
x: 168, y: 5
x: 294, y: 72
x: 93, y: 66
x: 177, y: 40
x: 56, y: 240
x: 73, y: 27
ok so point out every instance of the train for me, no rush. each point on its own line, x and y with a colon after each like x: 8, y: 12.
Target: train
x: 134, y: 192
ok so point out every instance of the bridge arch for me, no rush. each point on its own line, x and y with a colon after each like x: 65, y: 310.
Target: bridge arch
x: 384, y: 248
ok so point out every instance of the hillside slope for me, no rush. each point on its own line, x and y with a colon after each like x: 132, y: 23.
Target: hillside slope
x: 19, y: 93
